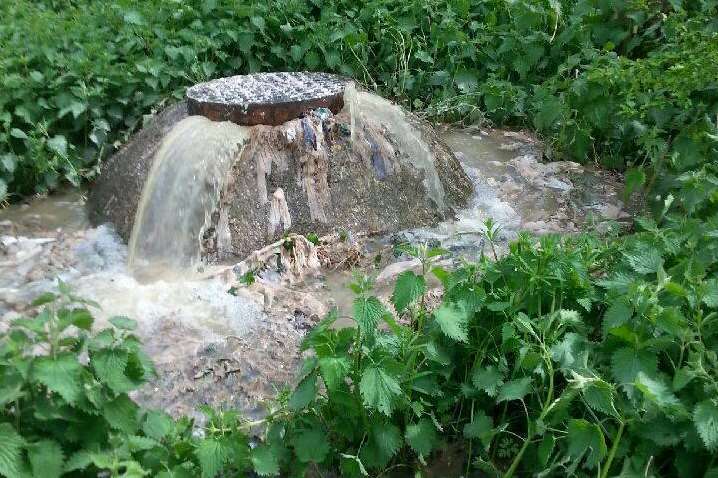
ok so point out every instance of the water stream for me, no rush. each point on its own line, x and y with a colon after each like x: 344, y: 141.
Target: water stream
x: 181, y: 193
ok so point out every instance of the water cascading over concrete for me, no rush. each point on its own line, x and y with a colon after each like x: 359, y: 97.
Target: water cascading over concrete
x: 247, y: 159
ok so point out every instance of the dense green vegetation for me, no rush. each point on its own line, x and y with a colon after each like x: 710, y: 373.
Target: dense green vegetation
x: 579, y: 356
x: 622, y: 81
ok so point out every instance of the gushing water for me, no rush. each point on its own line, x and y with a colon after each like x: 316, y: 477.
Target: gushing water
x: 364, y: 106
x: 182, y: 192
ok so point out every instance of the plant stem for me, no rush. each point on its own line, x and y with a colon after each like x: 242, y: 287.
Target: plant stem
x: 612, y: 453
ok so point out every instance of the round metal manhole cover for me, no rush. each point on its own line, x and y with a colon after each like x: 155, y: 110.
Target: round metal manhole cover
x: 266, y: 98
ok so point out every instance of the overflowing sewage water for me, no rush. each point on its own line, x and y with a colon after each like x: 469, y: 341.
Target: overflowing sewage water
x: 181, y: 192
x: 231, y: 347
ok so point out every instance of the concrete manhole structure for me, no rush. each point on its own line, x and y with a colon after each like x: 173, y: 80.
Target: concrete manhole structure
x: 317, y: 154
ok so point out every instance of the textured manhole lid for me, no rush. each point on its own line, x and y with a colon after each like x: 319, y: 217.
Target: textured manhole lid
x: 266, y: 98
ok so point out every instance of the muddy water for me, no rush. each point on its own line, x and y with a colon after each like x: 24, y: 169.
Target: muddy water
x: 212, y: 346
x: 63, y: 210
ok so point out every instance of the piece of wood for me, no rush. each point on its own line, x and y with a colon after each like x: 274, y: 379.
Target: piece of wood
x: 266, y: 98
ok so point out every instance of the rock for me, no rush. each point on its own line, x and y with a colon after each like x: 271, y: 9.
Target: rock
x: 393, y: 270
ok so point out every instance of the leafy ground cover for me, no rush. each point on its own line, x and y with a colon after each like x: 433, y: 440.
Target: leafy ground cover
x: 581, y: 356
x: 619, y: 81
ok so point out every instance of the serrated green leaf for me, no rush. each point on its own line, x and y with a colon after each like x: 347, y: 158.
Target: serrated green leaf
x: 567, y: 352
x: 453, y: 322
x: 109, y: 366
x: 618, y: 313
x: 265, y: 460
x: 11, y: 444
x: 488, y: 379
x: 123, y: 323
x: 545, y: 449
x: 481, y: 428
x: 61, y: 375
x: 43, y: 299
x: 710, y: 293
x: 212, y: 455
x: 626, y: 363
x: 305, y: 393
x: 705, y: 417
x: 79, y: 461
x: 311, y: 446
x: 333, y: 370
x: 644, y: 259
x: 514, y: 389
x: 379, y: 390
x: 46, y: 458
x: 421, y: 437
x: 121, y: 414
x: 157, y: 425
x: 386, y: 438
x: 408, y: 288
x: 586, y: 438
x: 598, y: 394
x: 367, y: 313
x: 140, y: 443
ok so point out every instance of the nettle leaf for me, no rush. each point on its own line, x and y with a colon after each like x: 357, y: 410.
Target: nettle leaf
x: 387, y: 440
x: 367, y: 313
x: 121, y: 414
x: 123, y: 323
x: 265, y: 460
x: 421, y: 437
x: 408, y: 288
x: 618, y: 313
x: 586, y: 438
x: 212, y: 455
x: 482, y: 428
x: 627, y: 363
x: 644, y: 259
x: 568, y: 351
x: 514, y: 389
x: 11, y: 444
x: 333, y: 370
x: 305, y: 392
x: 379, y: 389
x: 311, y: 446
x: 46, y: 459
x: 710, y: 293
x: 109, y: 365
x: 488, y: 379
x: 157, y: 425
x: 705, y: 417
x: 598, y: 394
x: 453, y: 322
x: 61, y: 374
x: 656, y: 391
x: 545, y: 449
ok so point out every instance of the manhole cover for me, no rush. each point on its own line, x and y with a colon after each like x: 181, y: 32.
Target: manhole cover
x: 266, y: 98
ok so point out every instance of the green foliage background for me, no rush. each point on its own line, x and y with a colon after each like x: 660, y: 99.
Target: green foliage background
x: 614, y: 80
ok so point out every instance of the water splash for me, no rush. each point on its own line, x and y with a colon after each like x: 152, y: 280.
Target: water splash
x: 367, y: 108
x: 181, y: 194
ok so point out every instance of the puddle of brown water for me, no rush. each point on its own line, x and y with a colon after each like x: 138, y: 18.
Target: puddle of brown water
x: 62, y: 210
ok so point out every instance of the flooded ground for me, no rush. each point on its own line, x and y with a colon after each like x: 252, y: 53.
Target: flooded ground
x: 235, y: 346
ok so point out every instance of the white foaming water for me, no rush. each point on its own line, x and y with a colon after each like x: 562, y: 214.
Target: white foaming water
x: 174, y: 318
x: 181, y: 193
x: 365, y: 106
